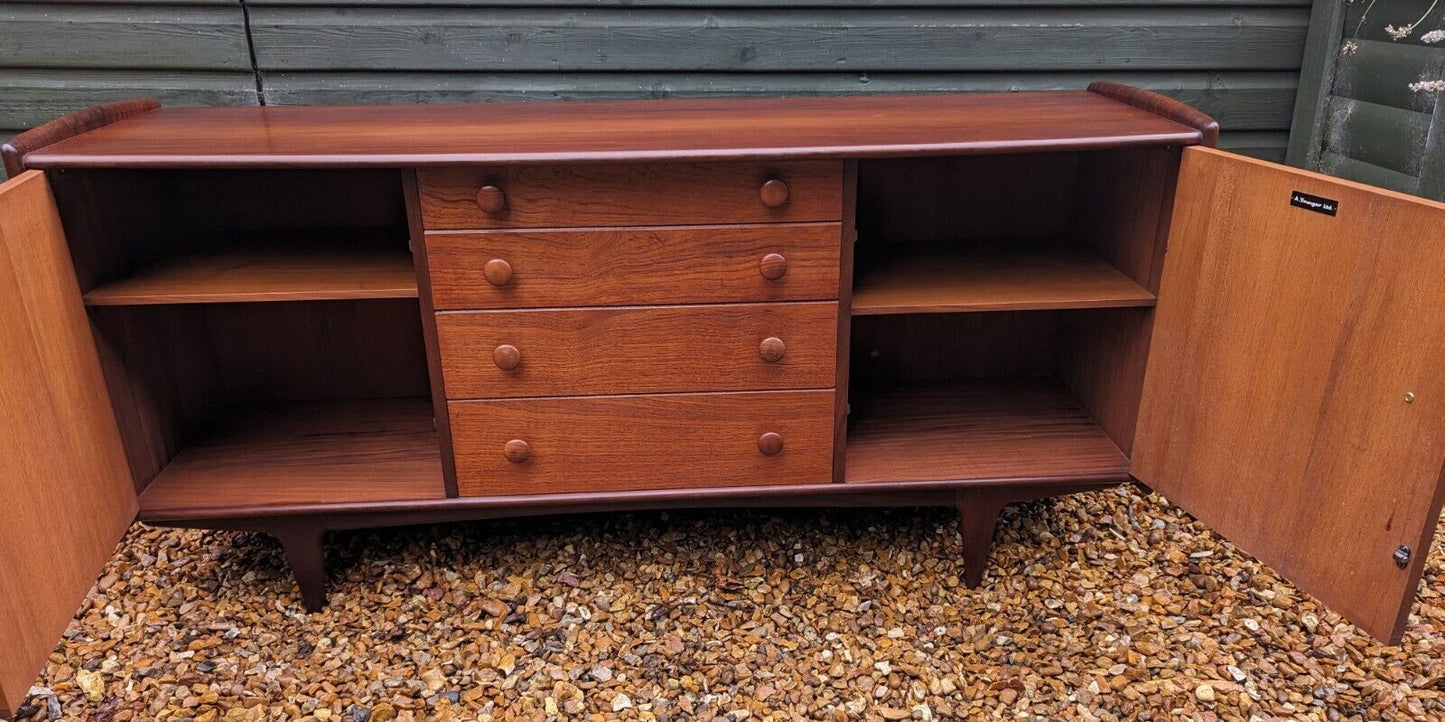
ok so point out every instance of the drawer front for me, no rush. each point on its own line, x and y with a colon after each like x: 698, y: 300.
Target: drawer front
x: 633, y: 266
x: 554, y: 196
x: 581, y: 352
x: 624, y: 443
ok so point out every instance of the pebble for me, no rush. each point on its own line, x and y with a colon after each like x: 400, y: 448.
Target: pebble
x: 1104, y: 606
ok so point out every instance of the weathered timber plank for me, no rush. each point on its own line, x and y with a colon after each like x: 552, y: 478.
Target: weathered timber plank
x: 1358, y: 170
x: 1380, y: 135
x: 399, y: 39
x: 1239, y: 101
x: 225, y: 3
x: 765, y: 3
x: 1381, y: 72
x: 122, y: 36
x: 1265, y: 145
x: 31, y: 97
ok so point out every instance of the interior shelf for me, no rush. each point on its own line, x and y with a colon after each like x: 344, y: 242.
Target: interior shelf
x: 987, y: 429
x: 268, y: 272
x: 959, y: 277
x: 303, y: 454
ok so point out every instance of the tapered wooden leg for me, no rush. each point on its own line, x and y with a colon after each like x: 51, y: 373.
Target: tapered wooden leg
x: 307, y: 557
x: 978, y: 511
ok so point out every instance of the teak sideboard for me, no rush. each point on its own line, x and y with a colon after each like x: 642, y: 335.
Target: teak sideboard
x: 295, y: 320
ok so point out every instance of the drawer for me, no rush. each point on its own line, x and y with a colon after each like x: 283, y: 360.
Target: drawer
x: 623, y: 443
x: 633, y: 350
x: 638, y: 194
x: 648, y: 265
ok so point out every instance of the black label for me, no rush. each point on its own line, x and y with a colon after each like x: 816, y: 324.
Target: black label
x: 1318, y: 204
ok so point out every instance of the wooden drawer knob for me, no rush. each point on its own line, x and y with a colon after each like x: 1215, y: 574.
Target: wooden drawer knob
x: 491, y: 199
x: 774, y: 193
x: 507, y: 357
x: 773, y: 266
x: 518, y: 451
x: 770, y: 443
x: 772, y: 349
x: 498, y: 272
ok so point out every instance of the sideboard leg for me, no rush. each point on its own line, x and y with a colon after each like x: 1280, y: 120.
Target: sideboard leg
x: 978, y: 511
x: 307, y: 557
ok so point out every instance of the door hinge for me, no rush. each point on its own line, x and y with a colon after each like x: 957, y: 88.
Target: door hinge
x: 1402, y: 556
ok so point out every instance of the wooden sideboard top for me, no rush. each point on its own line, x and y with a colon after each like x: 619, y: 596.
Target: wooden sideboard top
x: 599, y: 131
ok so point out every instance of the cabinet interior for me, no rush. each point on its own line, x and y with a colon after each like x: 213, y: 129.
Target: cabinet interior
x: 257, y: 358
x: 1001, y: 313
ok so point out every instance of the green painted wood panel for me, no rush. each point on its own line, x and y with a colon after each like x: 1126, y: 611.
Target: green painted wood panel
x: 452, y: 39
x: 775, y: 4
x: 1236, y: 59
x: 1362, y: 113
x: 1240, y: 101
x: 156, y: 37
x: 31, y: 97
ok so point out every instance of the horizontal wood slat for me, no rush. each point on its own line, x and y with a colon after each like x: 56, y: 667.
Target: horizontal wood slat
x: 1265, y: 145
x: 622, y: 195
x: 29, y: 97
x: 647, y: 349
x: 610, y: 442
x: 385, y: 38
x: 123, y: 36
x: 1245, y: 100
x: 634, y: 266
x: 1382, y: 71
x: 764, y: 3
x: 1346, y: 167
x: 1380, y: 135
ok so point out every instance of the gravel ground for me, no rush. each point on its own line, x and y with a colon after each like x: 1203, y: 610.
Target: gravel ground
x: 1108, y: 605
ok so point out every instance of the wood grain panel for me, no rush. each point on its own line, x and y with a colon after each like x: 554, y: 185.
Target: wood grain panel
x: 64, y: 461
x: 265, y: 274
x: 651, y: 349
x: 618, y: 443
x: 1102, y: 357
x: 766, y: 38
x: 626, y: 195
x: 425, y: 300
x: 923, y: 347
x: 649, y: 265
x: 173, y: 369
x: 129, y: 35
x: 601, y: 131
x: 1239, y: 100
x: 303, y: 454
x: 32, y: 96
x: 69, y: 126
x: 960, y: 278
x: 830, y: 4
x: 1275, y: 404
x: 1029, y: 430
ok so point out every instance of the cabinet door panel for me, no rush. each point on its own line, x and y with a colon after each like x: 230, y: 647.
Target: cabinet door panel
x: 1294, y: 399
x: 64, y: 480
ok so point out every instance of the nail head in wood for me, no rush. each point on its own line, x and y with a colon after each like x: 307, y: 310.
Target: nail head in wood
x: 774, y: 193
x: 772, y: 349
x: 517, y: 451
x: 498, y: 272
x: 770, y: 443
x: 773, y: 266
x: 507, y: 357
x: 491, y: 199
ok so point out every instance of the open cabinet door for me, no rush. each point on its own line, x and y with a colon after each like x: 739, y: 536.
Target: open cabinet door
x: 1295, y: 394
x: 65, y: 486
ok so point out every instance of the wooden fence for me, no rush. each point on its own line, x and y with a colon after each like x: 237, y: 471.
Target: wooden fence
x: 1237, y: 59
